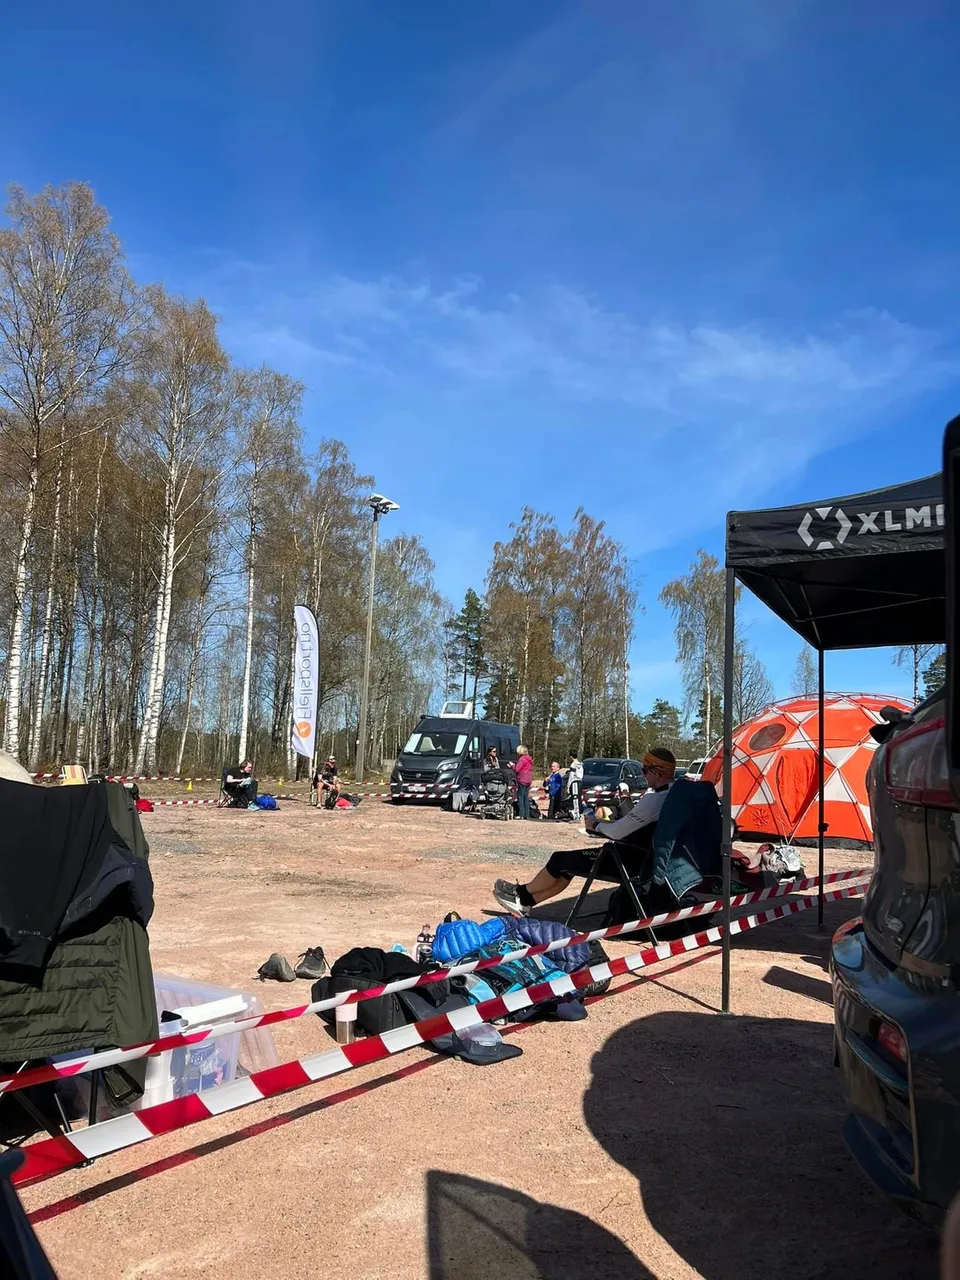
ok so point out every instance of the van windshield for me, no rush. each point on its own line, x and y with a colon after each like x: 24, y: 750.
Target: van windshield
x: 436, y: 742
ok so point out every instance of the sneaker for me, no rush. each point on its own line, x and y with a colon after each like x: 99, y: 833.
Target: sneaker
x: 508, y: 895
x: 277, y: 968
x: 312, y: 964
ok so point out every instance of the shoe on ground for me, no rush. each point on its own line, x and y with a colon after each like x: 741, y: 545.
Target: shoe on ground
x: 508, y: 895
x: 312, y: 964
x: 570, y: 1009
x: 276, y: 968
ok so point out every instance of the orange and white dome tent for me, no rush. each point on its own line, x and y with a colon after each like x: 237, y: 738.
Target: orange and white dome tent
x: 774, y: 783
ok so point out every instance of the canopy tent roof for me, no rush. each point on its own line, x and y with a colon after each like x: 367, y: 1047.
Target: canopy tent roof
x: 853, y: 572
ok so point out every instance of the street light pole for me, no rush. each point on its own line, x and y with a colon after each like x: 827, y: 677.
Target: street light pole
x: 380, y: 506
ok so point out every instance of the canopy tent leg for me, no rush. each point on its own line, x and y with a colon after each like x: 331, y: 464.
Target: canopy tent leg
x: 821, y: 825
x: 727, y: 799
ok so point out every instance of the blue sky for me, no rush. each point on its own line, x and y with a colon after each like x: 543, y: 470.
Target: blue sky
x: 655, y: 260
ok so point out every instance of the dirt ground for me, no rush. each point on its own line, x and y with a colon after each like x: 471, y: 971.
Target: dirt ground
x: 656, y: 1139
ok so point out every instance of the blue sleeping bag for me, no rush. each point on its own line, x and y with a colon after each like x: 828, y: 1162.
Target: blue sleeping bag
x: 538, y: 932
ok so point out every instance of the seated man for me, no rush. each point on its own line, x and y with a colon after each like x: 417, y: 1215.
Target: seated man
x: 239, y: 783
x: 327, y: 784
x: 633, y: 833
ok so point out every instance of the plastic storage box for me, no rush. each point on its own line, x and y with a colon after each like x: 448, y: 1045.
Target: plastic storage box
x: 196, y: 1067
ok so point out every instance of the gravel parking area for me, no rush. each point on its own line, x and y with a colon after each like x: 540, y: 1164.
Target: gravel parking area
x: 656, y: 1139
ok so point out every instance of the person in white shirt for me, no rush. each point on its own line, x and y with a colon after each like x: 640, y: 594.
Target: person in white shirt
x: 635, y: 831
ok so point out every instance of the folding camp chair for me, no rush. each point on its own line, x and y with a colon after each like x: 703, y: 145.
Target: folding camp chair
x: 631, y: 884
x: 56, y: 1124
x: 686, y: 848
x: 230, y: 799
x: 73, y: 775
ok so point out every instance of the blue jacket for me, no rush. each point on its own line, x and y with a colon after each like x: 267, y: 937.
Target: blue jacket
x: 555, y: 784
x: 537, y: 932
x: 686, y: 844
x: 457, y: 938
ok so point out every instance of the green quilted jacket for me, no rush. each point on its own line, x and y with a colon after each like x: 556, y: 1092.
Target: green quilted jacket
x: 97, y: 988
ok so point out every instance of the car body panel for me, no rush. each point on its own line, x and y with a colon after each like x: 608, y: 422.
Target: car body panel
x: 900, y: 966
x: 903, y: 1124
x: 600, y: 785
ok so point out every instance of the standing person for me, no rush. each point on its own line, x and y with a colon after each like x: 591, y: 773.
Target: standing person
x: 554, y: 789
x: 524, y: 771
x: 573, y: 779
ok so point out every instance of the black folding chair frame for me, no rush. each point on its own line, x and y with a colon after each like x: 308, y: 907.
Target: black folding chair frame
x: 629, y: 884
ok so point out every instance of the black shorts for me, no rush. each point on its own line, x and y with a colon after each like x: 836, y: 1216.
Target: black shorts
x: 567, y: 863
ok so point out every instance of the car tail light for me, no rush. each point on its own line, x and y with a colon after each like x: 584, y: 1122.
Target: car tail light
x: 916, y: 766
x: 891, y: 1038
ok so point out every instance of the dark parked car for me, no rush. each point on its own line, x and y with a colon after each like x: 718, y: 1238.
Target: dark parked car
x: 601, y: 777
x: 896, y: 974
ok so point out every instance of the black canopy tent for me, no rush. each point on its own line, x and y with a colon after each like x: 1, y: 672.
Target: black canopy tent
x: 845, y: 573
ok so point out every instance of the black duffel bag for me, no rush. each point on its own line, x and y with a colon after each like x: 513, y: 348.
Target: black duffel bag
x: 366, y: 967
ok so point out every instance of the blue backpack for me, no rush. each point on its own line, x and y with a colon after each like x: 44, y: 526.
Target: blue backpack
x: 266, y: 802
x: 512, y: 975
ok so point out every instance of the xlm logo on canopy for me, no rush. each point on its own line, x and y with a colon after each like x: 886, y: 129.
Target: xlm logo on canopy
x: 840, y: 525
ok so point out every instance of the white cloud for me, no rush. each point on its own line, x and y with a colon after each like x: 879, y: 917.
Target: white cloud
x: 723, y: 412
x: 565, y: 341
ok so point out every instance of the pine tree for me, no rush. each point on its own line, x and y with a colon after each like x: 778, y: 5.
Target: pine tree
x: 935, y: 675
x: 464, y: 647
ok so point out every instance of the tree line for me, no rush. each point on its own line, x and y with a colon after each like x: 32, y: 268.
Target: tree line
x: 547, y: 646
x: 162, y: 515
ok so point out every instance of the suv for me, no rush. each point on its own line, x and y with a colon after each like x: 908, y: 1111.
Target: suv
x: 896, y: 974
x: 602, y: 777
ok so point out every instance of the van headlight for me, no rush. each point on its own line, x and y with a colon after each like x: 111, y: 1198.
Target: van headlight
x: 448, y: 766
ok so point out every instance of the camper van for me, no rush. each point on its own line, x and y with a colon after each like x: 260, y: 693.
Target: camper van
x: 446, y: 752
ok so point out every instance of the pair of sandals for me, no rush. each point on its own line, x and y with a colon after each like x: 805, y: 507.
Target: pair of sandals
x: 312, y: 964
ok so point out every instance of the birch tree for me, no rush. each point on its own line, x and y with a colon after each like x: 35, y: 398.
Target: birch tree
x: 805, y: 673
x: 916, y: 656
x: 185, y: 400
x: 697, y: 604
x: 67, y: 311
x: 752, y: 689
x: 268, y: 434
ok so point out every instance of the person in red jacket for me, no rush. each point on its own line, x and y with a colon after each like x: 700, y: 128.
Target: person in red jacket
x: 524, y: 771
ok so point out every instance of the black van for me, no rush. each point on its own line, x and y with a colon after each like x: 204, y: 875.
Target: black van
x: 446, y: 752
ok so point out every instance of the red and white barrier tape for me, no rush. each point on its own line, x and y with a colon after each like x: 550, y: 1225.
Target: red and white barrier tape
x: 113, y: 1057
x: 53, y: 1155
x: 167, y: 804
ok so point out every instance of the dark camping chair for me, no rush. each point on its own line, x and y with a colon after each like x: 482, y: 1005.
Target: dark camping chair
x: 233, y: 795
x: 686, y: 851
